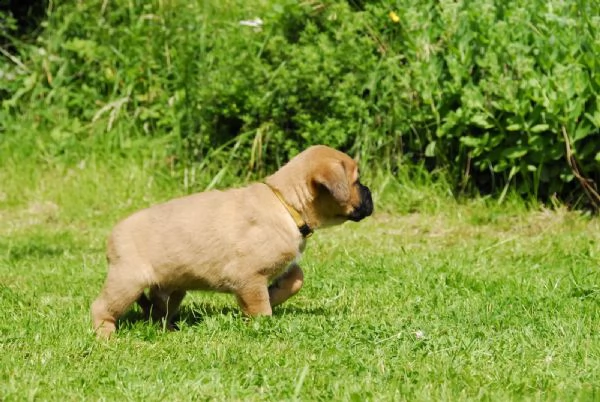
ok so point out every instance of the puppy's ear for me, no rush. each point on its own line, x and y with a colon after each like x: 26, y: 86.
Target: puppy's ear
x: 333, y: 177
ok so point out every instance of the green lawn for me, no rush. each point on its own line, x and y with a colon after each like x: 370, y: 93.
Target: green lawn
x: 429, y: 299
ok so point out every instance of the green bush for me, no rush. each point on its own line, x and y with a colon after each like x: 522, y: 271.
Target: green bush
x: 487, y: 90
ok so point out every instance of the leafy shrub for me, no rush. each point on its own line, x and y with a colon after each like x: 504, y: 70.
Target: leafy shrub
x: 498, y: 93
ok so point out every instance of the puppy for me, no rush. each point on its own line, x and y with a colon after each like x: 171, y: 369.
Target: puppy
x: 243, y: 241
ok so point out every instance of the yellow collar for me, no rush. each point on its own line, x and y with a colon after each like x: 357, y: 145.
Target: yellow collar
x: 303, y: 227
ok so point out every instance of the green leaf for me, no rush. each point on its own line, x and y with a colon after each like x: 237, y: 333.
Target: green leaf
x: 582, y: 131
x: 84, y: 48
x: 514, y: 127
x: 430, y: 149
x: 481, y: 121
x: 514, y: 152
x: 538, y: 128
x: 567, y: 177
x: 594, y: 119
x: 470, y: 141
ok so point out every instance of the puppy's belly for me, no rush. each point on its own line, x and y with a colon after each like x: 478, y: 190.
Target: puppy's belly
x: 228, y: 278
x: 185, y: 279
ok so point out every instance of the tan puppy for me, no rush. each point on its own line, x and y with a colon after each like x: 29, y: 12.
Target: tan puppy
x: 235, y: 241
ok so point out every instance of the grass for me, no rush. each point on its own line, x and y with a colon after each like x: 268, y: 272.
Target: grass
x: 430, y: 299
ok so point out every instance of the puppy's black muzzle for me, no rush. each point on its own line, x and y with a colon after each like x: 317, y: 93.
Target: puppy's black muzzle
x: 365, y: 208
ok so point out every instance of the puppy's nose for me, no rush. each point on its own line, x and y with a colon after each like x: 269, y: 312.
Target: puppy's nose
x: 367, y: 200
x: 365, y: 208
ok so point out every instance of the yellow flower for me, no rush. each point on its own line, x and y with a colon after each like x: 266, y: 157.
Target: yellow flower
x: 394, y: 17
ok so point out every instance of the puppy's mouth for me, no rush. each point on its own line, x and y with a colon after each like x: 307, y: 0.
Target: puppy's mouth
x: 365, y: 208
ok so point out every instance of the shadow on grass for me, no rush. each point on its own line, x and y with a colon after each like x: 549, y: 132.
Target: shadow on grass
x: 196, y: 312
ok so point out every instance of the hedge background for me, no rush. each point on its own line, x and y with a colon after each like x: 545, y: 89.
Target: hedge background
x: 500, y: 94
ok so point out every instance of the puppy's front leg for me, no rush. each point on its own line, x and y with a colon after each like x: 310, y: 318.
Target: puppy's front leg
x: 286, y: 285
x: 253, y: 298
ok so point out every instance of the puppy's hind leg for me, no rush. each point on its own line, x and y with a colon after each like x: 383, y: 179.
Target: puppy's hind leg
x: 146, y: 305
x: 122, y: 288
x: 286, y: 285
x: 162, y: 304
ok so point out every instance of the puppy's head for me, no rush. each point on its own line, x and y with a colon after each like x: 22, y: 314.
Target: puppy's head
x: 323, y: 184
x: 338, y: 193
